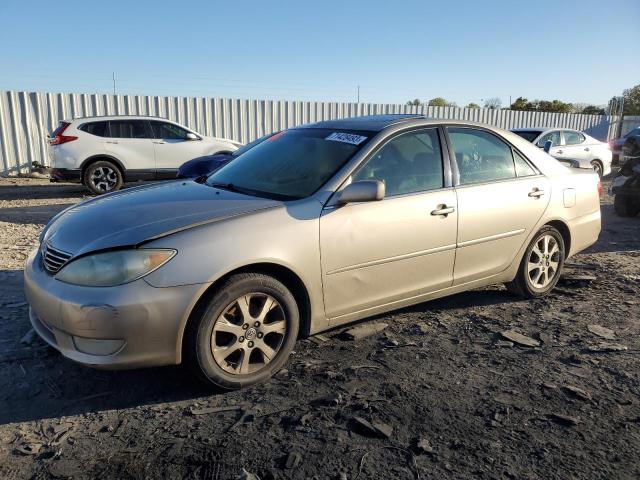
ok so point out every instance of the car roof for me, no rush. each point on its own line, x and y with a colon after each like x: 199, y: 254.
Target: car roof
x: 543, y: 129
x: 373, y: 123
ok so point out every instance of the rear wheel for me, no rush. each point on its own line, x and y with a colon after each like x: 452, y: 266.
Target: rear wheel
x: 541, y: 265
x: 102, y: 177
x: 626, y: 206
x: 597, y: 166
x: 245, y: 333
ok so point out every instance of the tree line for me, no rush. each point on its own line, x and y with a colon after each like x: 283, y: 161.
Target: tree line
x: 631, y: 104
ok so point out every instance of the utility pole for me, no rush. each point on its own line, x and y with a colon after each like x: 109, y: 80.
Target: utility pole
x: 358, y: 93
x: 113, y: 76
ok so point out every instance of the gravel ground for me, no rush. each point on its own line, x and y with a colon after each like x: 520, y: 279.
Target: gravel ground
x: 441, y: 392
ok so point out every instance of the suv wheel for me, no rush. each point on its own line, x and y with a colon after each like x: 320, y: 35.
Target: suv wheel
x: 102, y: 177
x: 245, y: 333
x: 541, y: 265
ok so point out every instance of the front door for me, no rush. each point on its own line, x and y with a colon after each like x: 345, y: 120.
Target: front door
x: 501, y: 197
x: 172, y: 148
x: 376, y: 253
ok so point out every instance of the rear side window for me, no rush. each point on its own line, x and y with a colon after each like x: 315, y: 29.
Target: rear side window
x: 573, y: 138
x: 99, y: 129
x: 127, y: 129
x: 408, y: 163
x: 481, y: 156
x: 168, y: 131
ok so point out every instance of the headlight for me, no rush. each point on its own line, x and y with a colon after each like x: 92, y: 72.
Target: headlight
x: 113, y: 268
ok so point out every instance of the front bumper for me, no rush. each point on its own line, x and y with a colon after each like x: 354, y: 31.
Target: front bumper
x: 66, y: 175
x: 128, y: 326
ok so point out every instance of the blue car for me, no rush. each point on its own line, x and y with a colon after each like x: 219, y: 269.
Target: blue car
x: 201, y: 166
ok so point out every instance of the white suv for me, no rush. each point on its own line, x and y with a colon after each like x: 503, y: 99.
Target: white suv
x: 104, y: 152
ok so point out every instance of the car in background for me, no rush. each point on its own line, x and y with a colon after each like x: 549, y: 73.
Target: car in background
x: 617, y: 144
x: 210, y: 163
x: 571, y: 147
x: 321, y: 225
x: 104, y: 152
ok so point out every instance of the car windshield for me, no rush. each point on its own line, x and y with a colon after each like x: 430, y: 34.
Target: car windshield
x: 250, y: 145
x: 291, y: 164
x: 528, y: 135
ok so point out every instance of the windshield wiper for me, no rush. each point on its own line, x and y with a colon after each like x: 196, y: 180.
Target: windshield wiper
x: 227, y: 186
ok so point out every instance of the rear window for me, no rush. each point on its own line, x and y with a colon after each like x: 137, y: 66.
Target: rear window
x: 59, y: 130
x: 100, y: 129
x: 528, y: 135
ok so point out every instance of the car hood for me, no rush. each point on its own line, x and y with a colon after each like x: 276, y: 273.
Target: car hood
x: 135, y: 215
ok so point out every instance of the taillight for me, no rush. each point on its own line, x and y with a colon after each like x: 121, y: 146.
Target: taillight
x: 59, y: 138
x: 599, y: 188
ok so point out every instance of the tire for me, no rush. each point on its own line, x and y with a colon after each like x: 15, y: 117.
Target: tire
x: 524, y: 285
x: 102, y: 176
x: 233, y: 346
x: 597, y: 166
x: 624, y: 206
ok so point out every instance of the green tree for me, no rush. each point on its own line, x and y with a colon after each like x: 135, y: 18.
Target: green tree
x: 414, y: 103
x: 592, y: 110
x: 521, y: 103
x: 441, y: 102
x: 472, y: 105
x: 632, y: 100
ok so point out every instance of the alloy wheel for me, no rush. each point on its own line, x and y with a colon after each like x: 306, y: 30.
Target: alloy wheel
x: 248, y: 334
x: 598, y: 169
x: 104, y: 178
x: 544, y: 261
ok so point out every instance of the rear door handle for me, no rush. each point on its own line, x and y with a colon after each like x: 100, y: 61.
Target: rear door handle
x: 443, y: 210
x: 586, y: 149
x: 536, y: 193
x: 159, y: 142
x: 112, y: 141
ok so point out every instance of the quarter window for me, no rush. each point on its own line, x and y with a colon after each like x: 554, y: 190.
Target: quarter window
x: 168, y: 131
x: 573, y: 138
x: 481, y: 156
x: 553, y: 136
x: 411, y: 162
x: 127, y: 129
x: 523, y: 169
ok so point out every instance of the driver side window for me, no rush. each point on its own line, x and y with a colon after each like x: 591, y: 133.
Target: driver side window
x: 408, y: 163
x: 168, y: 131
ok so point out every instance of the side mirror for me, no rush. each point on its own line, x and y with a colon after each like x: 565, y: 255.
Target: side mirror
x: 547, y: 145
x: 192, y: 136
x: 362, y: 191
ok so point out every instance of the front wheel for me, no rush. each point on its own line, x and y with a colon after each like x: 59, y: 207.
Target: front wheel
x: 245, y: 333
x: 541, y: 265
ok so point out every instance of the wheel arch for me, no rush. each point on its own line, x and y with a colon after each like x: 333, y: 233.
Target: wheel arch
x: 288, y: 277
x: 563, y: 228
x: 96, y: 158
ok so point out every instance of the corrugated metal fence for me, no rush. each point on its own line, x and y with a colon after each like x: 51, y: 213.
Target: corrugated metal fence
x: 27, y: 117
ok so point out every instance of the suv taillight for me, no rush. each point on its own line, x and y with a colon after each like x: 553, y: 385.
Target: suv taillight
x: 59, y: 138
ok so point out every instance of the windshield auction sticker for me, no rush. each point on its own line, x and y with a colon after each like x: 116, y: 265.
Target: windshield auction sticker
x: 346, y: 138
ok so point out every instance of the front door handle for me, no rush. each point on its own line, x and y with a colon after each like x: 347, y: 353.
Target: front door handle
x: 159, y: 142
x: 536, y: 193
x: 586, y: 149
x: 443, y: 210
x: 112, y: 141
x: 559, y: 151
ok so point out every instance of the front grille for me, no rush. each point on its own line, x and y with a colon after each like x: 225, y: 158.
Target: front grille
x: 53, y: 259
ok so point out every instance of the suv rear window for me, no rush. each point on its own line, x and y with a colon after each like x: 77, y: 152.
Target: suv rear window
x: 128, y: 129
x: 99, y: 129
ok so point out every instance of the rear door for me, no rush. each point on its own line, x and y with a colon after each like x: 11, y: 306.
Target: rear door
x: 172, y: 147
x: 501, y: 197
x: 130, y: 142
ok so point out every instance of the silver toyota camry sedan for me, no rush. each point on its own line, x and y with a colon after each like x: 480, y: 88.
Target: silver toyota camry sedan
x: 317, y: 226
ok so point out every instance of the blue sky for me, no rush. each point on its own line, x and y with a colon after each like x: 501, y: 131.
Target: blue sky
x: 572, y: 50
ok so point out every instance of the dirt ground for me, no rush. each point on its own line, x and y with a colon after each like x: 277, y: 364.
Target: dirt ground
x: 439, y: 393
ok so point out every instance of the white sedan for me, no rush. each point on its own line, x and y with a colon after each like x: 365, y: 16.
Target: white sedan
x: 571, y: 147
